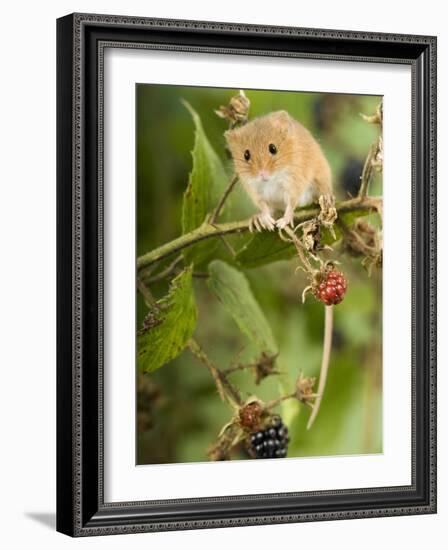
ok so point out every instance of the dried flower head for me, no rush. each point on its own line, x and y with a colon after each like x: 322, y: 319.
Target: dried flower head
x: 328, y: 213
x: 311, y: 235
x: 305, y: 389
x: 377, y: 118
x: 237, y: 111
x: 264, y: 367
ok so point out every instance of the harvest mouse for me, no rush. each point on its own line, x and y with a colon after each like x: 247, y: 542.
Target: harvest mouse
x: 280, y: 165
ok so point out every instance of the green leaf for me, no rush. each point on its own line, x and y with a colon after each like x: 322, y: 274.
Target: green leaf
x: 207, y: 182
x: 232, y: 289
x: 169, y: 325
x: 264, y: 248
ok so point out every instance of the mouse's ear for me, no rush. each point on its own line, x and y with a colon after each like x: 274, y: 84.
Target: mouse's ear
x: 281, y: 121
x: 281, y: 115
x: 281, y: 118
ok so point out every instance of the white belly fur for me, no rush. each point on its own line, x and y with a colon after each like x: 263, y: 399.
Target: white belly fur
x: 275, y: 190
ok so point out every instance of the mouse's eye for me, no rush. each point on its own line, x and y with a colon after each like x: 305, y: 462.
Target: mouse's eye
x: 272, y: 149
x: 247, y: 154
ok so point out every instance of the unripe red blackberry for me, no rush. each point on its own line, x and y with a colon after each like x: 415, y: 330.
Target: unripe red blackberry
x: 272, y: 442
x: 332, y: 288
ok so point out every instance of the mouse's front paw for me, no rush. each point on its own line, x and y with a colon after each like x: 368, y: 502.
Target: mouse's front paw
x: 261, y: 221
x: 287, y: 219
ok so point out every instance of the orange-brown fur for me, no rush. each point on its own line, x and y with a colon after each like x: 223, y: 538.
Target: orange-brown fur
x: 297, y: 174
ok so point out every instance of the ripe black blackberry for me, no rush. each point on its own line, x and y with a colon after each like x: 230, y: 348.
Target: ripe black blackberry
x: 272, y: 442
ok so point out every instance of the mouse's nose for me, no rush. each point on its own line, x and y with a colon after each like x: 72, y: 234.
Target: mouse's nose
x: 264, y: 175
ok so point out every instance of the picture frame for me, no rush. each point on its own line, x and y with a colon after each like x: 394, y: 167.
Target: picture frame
x: 81, y: 506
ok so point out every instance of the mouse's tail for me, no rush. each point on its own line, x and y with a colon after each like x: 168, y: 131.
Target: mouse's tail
x: 328, y: 336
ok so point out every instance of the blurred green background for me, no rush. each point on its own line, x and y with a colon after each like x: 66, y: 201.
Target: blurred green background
x: 179, y: 413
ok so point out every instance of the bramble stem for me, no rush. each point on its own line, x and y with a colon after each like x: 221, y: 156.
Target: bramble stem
x: 207, y: 231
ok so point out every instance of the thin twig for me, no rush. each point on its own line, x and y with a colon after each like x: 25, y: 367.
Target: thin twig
x: 231, y: 370
x: 252, y: 366
x: 223, y: 199
x: 264, y: 366
x: 372, y: 161
x: 359, y: 244
x: 145, y: 292
x: 300, y: 249
x: 224, y: 387
x: 368, y: 171
x: 279, y: 400
x: 165, y: 272
x: 228, y: 246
